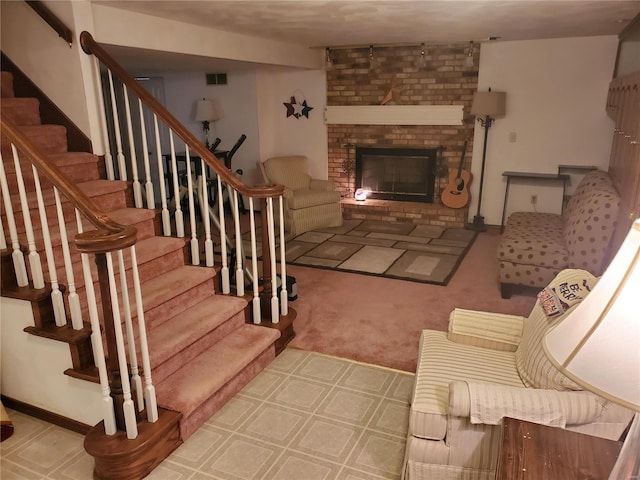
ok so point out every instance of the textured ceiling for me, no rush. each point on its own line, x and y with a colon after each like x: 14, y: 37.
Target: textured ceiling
x: 334, y: 23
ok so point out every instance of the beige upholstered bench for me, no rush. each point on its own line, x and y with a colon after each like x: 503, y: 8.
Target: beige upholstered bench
x: 536, y: 246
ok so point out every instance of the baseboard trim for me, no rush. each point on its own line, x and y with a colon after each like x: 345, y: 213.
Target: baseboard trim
x: 45, y: 415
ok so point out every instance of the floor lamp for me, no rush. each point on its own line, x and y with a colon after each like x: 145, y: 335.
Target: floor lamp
x: 597, y: 344
x: 206, y: 112
x: 486, y: 106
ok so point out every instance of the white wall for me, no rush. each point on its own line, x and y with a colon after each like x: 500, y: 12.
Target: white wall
x: 556, y: 96
x: 33, y: 369
x: 282, y: 135
x: 235, y: 102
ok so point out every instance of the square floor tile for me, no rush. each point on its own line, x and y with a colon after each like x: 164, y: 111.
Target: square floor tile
x: 275, y: 424
x: 345, y: 405
x: 322, y: 368
x: 402, y: 387
x: 301, y: 394
x: 288, y: 360
x: 379, y: 454
x: 242, y: 459
x: 197, y: 449
x: 391, y: 417
x: 327, y: 439
x: 368, y: 379
x: 296, y: 466
x: 263, y: 385
x: 234, y: 413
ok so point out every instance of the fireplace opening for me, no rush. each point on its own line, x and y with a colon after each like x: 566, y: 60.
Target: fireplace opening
x: 400, y: 174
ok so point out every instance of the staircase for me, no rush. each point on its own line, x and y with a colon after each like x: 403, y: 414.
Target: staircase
x: 200, y: 347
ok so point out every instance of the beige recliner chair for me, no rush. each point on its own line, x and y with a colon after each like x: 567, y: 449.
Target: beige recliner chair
x: 309, y: 203
x: 489, y: 366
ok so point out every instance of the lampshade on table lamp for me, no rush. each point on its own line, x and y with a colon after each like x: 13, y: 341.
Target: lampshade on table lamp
x: 598, y: 344
x: 206, y: 112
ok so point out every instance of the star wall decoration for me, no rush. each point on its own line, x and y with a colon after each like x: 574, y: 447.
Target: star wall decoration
x: 297, y: 109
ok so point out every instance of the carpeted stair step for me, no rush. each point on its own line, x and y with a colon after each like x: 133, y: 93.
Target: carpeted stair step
x: 77, y: 167
x: 177, y: 342
x: 155, y: 255
x: 107, y: 194
x: 206, y: 383
x: 22, y: 111
x: 48, y: 138
x: 6, y: 85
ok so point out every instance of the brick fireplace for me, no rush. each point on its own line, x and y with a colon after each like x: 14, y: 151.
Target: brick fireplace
x: 445, y: 80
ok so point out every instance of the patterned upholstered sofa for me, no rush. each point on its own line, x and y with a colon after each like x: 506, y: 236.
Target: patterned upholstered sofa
x: 309, y: 203
x: 536, y: 246
x: 488, y: 366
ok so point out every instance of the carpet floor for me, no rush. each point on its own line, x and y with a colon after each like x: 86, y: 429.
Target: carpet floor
x: 306, y: 416
x: 419, y: 253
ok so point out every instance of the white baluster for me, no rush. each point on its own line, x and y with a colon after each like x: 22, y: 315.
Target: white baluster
x: 239, y: 249
x: 106, y: 404
x: 224, y: 271
x: 16, y: 255
x: 56, y: 295
x: 257, y: 314
x: 137, y: 189
x: 284, y: 299
x: 151, y: 403
x: 72, y: 297
x: 33, y: 256
x: 166, y: 219
x: 3, y: 239
x: 176, y: 189
x: 148, y: 186
x: 131, y: 339
x: 195, y: 247
x: 206, y: 220
x: 128, y: 407
x: 275, y: 310
x: 108, y: 159
x: 122, y: 168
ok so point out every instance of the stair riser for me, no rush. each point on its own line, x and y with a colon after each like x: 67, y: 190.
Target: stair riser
x: 162, y: 371
x: 47, y: 138
x: 158, y: 315
x: 22, y: 111
x: 77, y: 174
x: 6, y: 85
x: 216, y: 401
x: 107, y: 202
x: 146, y: 271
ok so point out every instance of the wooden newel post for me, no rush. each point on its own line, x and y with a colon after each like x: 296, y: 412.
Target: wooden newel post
x: 267, y: 274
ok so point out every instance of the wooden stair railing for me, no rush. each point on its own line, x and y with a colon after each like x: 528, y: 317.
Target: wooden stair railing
x: 268, y: 305
x: 108, y: 237
x: 52, y: 20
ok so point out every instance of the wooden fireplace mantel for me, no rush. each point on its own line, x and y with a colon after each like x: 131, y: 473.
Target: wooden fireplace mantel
x: 394, y: 114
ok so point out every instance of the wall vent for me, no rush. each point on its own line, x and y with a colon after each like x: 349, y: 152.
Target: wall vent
x: 216, y: 78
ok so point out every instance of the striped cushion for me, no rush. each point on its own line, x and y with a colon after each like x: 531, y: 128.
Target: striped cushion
x: 440, y: 362
x: 288, y: 171
x: 483, y: 329
x: 425, y: 471
x: 533, y: 365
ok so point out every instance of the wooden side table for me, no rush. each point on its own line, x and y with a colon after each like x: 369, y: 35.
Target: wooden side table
x: 538, y: 452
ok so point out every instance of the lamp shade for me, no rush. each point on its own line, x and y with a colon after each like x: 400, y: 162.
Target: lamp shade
x: 206, y: 111
x: 489, y: 103
x: 598, y: 344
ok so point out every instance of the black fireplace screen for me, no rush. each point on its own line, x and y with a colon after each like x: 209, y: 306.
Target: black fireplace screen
x: 401, y: 174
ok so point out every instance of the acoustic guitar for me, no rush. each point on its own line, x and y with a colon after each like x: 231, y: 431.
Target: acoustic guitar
x: 456, y: 193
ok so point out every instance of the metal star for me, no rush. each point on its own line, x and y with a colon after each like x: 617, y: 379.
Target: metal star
x: 306, y: 109
x: 290, y: 107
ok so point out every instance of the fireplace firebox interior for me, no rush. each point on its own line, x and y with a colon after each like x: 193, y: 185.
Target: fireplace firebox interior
x: 400, y: 174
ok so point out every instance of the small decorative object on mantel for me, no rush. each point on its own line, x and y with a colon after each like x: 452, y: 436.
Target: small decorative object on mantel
x: 392, y: 97
x: 297, y: 107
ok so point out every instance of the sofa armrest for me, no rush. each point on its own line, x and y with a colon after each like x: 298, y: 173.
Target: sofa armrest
x: 489, y: 403
x: 317, y: 184
x: 496, y: 331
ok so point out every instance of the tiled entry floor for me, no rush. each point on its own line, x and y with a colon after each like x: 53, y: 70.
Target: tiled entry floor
x: 306, y: 416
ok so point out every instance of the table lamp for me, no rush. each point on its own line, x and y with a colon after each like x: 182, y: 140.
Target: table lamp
x: 206, y: 112
x: 598, y: 344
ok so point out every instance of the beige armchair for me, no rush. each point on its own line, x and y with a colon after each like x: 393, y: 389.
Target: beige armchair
x: 486, y: 367
x: 309, y: 203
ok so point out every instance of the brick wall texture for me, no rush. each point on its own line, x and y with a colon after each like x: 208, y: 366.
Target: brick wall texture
x: 443, y: 80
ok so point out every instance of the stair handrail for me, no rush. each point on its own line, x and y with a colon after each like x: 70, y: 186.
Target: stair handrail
x: 91, y: 47
x: 52, y: 20
x: 110, y: 235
